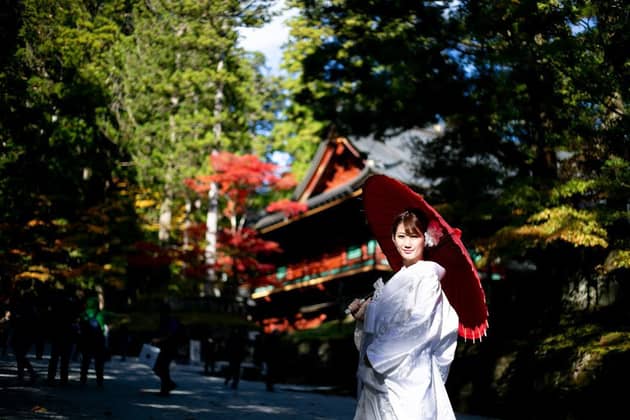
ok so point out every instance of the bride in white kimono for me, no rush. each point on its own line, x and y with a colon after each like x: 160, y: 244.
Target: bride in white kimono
x: 406, y: 334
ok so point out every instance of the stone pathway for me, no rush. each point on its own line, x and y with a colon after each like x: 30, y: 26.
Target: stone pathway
x: 131, y: 393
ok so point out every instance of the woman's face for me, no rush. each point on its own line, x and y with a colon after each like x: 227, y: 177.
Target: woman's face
x: 410, y: 245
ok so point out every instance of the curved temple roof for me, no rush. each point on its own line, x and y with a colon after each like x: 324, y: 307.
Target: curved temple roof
x: 390, y: 155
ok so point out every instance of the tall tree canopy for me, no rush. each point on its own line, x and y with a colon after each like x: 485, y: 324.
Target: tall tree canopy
x: 369, y: 66
x: 100, y: 97
x: 532, y: 94
x: 53, y: 97
x: 185, y: 90
x: 60, y: 188
x: 546, y: 112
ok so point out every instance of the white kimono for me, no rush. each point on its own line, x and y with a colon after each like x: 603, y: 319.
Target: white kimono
x: 409, y: 336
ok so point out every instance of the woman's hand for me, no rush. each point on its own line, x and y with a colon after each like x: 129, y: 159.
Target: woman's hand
x: 358, y: 307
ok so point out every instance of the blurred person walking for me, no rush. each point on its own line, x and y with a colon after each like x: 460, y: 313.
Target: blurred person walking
x: 235, y: 349
x: 92, y: 341
x: 23, y: 323
x: 209, y: 351
x: 41, y: 293
x: 170, y: 335
x: 64, y: 316
x: 5, y: 329
x: 268, y: 355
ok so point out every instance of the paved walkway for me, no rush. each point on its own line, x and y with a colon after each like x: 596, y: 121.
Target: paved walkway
x: 131, y: 393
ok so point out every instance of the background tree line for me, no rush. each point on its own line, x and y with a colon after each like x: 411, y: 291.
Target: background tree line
x: 533, y: 95
x: 533, y: 165
x: 109, y: 109
x: 108, y: 106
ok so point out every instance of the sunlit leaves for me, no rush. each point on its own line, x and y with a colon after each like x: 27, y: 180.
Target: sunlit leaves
x: 577, y: 227
x: 564, y: 223
x: 617, y: 259
x: 39, y: 273
x: 616, y: 171
x: 574, y: 187
x: 522, y: 198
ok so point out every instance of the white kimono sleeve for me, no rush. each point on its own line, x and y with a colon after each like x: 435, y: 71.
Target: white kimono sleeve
x: 413, y: 323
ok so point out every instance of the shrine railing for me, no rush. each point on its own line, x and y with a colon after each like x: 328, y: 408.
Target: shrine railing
x: 323, y: 268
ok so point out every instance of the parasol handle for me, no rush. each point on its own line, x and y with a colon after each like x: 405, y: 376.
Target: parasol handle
x: 347, y: 310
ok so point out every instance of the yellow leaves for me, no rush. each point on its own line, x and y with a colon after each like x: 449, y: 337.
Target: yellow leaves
x: 563, y: 223
x: 39, y: 409
x: 578, y: 227
x: 99, y: 230
x: 35, y: 222
x: 19, y: 252
x: 151, y: 227
x: 60, y: 222
x: 518, y: 211
x: 616, y: 259
x: 37, y: 272
x: 144, y: 203
x: 581, y: 239
x: 116, y: 283
x: 574, y: 187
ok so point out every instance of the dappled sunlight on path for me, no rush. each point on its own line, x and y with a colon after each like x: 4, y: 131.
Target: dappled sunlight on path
x: 131, y: 391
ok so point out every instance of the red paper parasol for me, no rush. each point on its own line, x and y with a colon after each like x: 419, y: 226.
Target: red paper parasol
x: 385, y: 198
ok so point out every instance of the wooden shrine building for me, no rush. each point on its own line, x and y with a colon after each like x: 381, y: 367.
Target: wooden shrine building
x: 329, y: 256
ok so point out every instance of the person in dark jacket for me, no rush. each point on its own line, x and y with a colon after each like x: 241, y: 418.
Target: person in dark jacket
x: 272, y: 357
x: 23, y: 323
x: 235, y: 349
x: 170, y: 335
x: 5, y: 329
x: 209, y: 351
x: 64, y: 316
x: 92, y: 341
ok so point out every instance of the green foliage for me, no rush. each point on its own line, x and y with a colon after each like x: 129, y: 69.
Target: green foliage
x: 59, y: 204
x: 617, y: 259
x: 326, y: 331
x: 573, y: 187
x: 53, y: 93
x: 147, y: 322
x: 564, y: 223
x: 95, y: 95
x: 533, y: 96
x: 299, y: 134
x: 367, y: 66
x: 185, y: 90
x: 571, y: 338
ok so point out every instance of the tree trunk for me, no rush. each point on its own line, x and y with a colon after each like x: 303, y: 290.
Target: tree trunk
x: 166, y: 215
x: 213, y: 208
x: 211, y: 240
